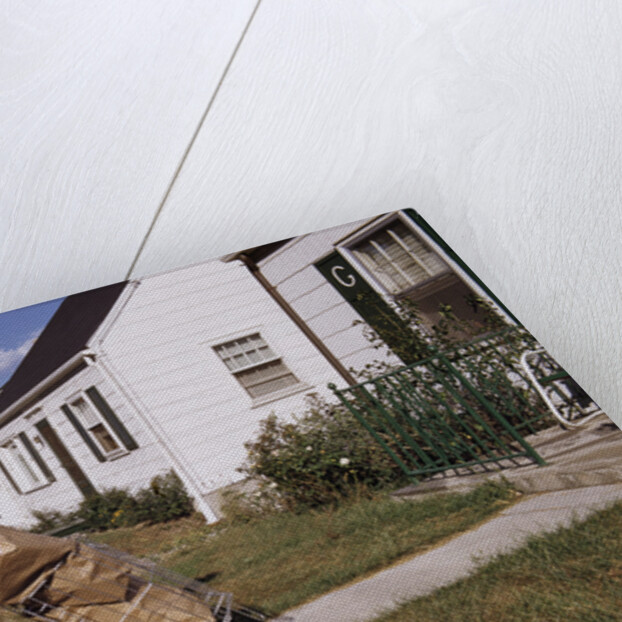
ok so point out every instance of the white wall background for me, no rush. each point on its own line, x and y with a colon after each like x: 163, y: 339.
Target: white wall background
x: 499, y: 121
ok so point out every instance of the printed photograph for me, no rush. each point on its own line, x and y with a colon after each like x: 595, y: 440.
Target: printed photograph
x: 346, y: 425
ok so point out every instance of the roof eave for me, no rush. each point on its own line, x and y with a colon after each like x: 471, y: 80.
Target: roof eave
x: 61, y: 371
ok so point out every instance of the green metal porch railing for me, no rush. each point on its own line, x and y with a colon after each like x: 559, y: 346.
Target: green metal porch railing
x: 464, y: 410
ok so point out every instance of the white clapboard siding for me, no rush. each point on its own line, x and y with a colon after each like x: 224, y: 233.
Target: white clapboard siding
x: 311, y: 244
x: 99, y: 103
x: 161, y: 346
x: 500, y: 122
x: 13, y: 511
x: 131, y: 471
x: 291, y: 269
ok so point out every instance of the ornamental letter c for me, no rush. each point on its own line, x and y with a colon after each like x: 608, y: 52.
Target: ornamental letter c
x: 350, y: 282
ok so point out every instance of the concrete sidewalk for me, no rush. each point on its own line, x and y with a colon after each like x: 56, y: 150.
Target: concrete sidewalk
x: 457, y: 558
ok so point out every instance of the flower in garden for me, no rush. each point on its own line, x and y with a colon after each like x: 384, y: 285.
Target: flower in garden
x: 344, y: 461
x: 309, y: 448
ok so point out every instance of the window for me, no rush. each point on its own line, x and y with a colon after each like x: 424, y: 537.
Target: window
x: 91, y: 422
x: 23, y: 465
x: 97, y: 430
x: 255, y: 365
x: 98, y: 425
x: 408, y: 269
x: 398, y: 259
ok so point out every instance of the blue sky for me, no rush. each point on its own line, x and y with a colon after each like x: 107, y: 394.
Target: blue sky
x: 19, y: 330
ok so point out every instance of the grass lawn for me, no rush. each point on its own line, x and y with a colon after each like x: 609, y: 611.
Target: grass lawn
x: 285, y: 559
x: 574, y: 575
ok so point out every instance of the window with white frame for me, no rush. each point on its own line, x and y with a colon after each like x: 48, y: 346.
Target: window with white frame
x: 92, y: 422
x: 255, y: 365
x: 397, y: 258
x: 21, y: 466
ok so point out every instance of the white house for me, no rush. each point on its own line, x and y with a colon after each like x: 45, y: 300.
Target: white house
x: 175, y: 371
x: 131, y: 380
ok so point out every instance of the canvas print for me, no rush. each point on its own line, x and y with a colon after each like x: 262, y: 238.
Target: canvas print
x: 346, y: 425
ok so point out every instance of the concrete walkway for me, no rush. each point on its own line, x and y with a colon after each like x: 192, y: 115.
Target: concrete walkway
x: 456, y: 559
x: 589, y: 456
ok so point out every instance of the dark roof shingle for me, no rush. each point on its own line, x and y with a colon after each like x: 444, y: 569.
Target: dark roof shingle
x: 67, y: 332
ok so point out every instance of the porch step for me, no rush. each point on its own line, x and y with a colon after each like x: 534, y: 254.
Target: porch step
x: 575, y: 459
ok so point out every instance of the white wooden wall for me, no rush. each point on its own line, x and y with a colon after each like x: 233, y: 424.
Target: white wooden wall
x: 291, y: 269
x: 133, y: 470
x: 161, y: 345
x: 499, y: 121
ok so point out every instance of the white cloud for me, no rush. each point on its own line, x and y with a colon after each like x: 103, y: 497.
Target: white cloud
x: 9, y: 359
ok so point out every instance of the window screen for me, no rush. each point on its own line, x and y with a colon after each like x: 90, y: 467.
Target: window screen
x: 255, y: 365
x: 398, y: 259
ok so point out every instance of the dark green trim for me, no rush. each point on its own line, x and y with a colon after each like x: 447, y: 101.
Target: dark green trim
x: 36, y: 456
x: 86, y: 437
x: 108, y: 414
x: 560, y: 375
x: 430, y: 232
x: 9, y: 478
x: 372, y: 308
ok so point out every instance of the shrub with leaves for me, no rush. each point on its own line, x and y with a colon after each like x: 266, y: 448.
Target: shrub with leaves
x: 404, y: 333
x: 486, y: 353
x: 165, y: 499
x: 49, y: 521
x: 318, y: 458
x: 112, y: 508
x: 326, y: 454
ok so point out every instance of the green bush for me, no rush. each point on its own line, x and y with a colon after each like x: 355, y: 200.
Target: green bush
x: 413, y: 339
x: 109, y: 509
x: 320, y: 457
x: 50, y: 521
x: 165, y: 499
x: 326, y: 454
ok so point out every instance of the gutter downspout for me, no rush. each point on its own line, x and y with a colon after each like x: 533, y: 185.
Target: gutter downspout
x: 175, y: 459
x: 293, y: 315
x: 163, y: 443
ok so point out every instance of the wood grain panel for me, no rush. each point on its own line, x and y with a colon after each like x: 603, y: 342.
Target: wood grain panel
x: 98, y: 102
x: 499, y: 121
